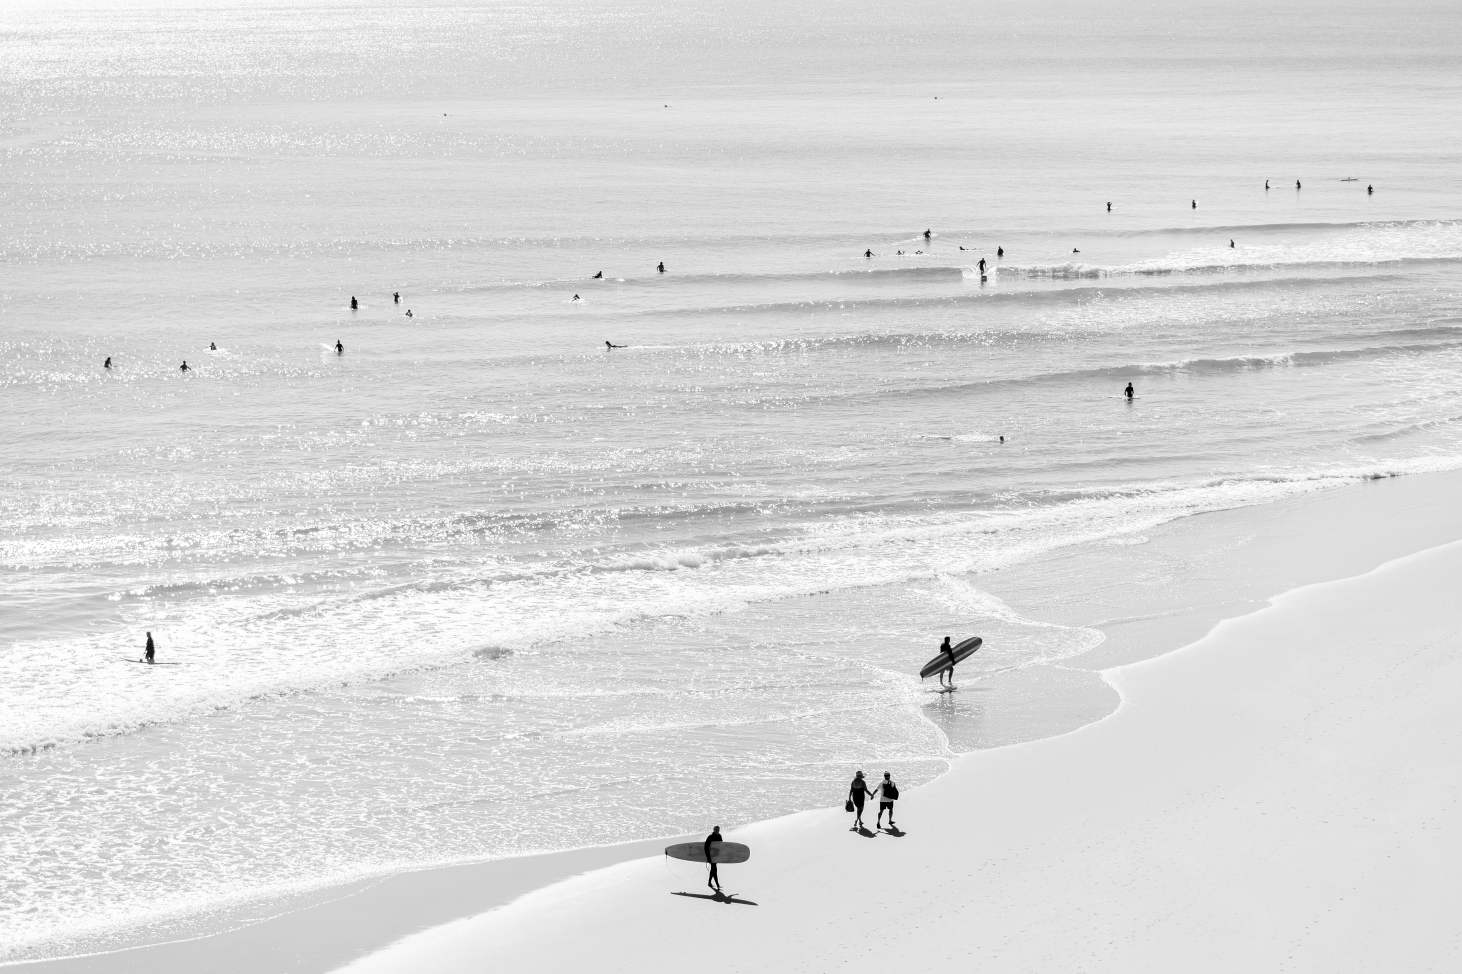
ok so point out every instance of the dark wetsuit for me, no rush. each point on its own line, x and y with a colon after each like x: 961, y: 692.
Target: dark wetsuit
x: 714, y: 881
x: 150, y: 650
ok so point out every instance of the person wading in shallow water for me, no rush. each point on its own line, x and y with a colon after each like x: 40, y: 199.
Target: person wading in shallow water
x: 150, y: 651
x: 1129, y: 391
x: 947, y: 650
x: 712, y: 841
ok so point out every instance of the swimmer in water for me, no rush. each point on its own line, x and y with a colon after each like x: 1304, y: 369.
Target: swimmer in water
x: 577, y: 298
x: 1075, y: 251
x: 339, y: 348
x: 409, y: 314
x: 899, y: 254
x: 108, y: 363
x: 1231, y: 245
x: 1002, y: 439
x: 927, y: 234
x: 999, y: 251
x: 396, y: 297
x: 184, y: 367
x: 868, y: 253
x: 353, y: 304
x: 212, y: 347
x: 609, y: 345
x: 661, y: 267
x: 1130, y: 392
x: 599, y: 276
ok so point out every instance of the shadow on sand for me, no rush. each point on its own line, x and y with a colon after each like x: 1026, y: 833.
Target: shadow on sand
x: 863, y: 831
x: 894, y: 831
x: 717, y: 898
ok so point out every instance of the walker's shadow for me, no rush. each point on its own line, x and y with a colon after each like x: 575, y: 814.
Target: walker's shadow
x: 893, y: 830
x: 718, y: 898
x: 863, y: 831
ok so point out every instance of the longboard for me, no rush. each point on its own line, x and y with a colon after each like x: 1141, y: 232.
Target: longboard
x: 696, y: 852
x: 942, y: 662
x: 131, y: 660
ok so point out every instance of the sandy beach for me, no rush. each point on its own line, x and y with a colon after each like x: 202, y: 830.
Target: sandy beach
x: 1280, y: 795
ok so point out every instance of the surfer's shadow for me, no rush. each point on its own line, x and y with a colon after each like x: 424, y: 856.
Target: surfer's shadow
x: 718, y: 898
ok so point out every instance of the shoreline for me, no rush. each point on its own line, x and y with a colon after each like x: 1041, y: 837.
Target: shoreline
x: 343, y: 923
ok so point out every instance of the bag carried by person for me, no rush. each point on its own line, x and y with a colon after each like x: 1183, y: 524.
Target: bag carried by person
x: 890, y: 792
x: 848, y: 805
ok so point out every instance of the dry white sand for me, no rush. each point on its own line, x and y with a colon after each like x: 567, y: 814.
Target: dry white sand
x: 1282, y: 795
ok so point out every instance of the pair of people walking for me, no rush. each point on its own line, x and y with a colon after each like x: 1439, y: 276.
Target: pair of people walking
x: 858, y: 793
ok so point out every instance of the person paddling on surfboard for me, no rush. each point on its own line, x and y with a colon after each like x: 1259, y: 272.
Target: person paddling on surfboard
x: 148, y: 653
x: 712, y: 840
x: 947, y: 650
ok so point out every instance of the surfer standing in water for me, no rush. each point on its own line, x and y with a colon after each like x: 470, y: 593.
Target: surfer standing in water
x: 712, y: 840
x: 858, y: 794
x: 149, y: 652
x: 1129, y: 391
x: 947, y: 650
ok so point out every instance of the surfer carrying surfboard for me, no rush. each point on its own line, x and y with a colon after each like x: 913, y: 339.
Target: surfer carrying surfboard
x: 947, y: 650
x: 712, y: 840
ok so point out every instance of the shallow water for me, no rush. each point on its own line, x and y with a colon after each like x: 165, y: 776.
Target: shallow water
x: 479, y: 586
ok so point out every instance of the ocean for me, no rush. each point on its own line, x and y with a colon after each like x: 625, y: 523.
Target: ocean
x: 480, y: 586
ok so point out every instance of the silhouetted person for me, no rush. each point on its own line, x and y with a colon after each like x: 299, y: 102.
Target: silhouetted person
x: 1109, y: 207
x: 184, y: 367
x: 1370, y: 189
x: 212, y: 347
x: 1296, y: 184
x: 1002, y: 439
x: 1231, y: 244
x: 339, y: 348
x: 1266, y: 185
x: 150, y: 651
x: 409, y: 314
x: 661, y: 267
x: 108, y: 363
x: 982, y: 265
x: 1129, y: 391
x: 712, y: 841
x: 868, y: 253
x: 857, y: 794
x: 353, y: 303
x: 999, y: 251
x: 927, y: 235
x: 599, y: 276
x: 1075, y: 251
x: 1195, y: 204
x: 612, y: 345
x: 396, y: 297
x: 577, y: 298
x: 888, y: 793
x: 947, y: 650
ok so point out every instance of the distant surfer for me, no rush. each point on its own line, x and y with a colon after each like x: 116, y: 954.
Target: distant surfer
x: 1266, y: 185
x: 1370, y: 189
x: 184, y: 367
x: 409, y: 314
x: 999, y: 252
x: 1231, y: 244
x: 353, y: 303
x: 1075, y: 251
x: 713, y: 840
x: 150, y: 651
x: 1296, y: 184
x: 108, y: 363
x: 661, y: 267
x: 395, y: 297
x: 888, y: 793
x: 1002, y: 439
x: 1129, y: 391
x: 339, y: 348
x: 982, y: 265
x: 927, y: 234
x: 609, y: 345
x: 1109, y: 207
x: 868, y: 252
x: 577, y: 298
x: 212, y: 347
x: 599, y: 276
x: 858, y: 794
x: 948, y: 674
x: 1195, y: 204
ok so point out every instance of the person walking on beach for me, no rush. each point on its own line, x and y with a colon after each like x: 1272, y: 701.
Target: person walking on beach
x: 713, y: 840
x: 857, y: 794
x: 150, y: 651
x: 888, y: 793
